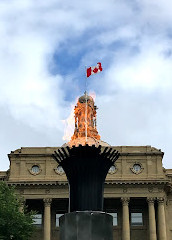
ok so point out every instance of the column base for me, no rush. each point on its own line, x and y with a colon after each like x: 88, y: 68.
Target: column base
x: 86, y: 225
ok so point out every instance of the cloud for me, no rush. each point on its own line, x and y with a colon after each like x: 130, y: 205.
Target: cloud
x: 39, y: 39
x: 148, y: 69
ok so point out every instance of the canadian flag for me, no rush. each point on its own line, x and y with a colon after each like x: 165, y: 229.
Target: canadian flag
x: 93, y: 70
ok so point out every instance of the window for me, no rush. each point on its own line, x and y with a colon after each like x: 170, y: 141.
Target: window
x: 115, y: 218
x: 60, y: 170
x: 35, y: 169
x: 37, y: 219
x: 112, y: 169
x: 137, y: 219
x: 58, y: 215
x: 137, y: 167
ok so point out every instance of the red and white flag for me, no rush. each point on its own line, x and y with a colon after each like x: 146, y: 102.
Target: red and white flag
x: 93, y: 70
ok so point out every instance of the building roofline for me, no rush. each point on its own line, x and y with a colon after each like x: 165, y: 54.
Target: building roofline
x: 123, y: 150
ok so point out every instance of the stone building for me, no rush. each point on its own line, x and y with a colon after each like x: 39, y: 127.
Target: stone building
x: 138, y: 190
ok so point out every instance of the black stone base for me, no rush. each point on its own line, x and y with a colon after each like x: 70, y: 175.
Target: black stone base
x: 86, y: 225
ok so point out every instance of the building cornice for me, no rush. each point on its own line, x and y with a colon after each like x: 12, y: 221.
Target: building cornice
x: 35, y: 183
x: 112, y: 182
x: 130, y: 182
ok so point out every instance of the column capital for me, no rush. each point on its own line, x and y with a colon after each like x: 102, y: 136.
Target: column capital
x: 22, y: 204
x: 161, y: 200
x: 47, y: 202
x: 125, y: 200
x: 151, y: 200
x: 22, y: 201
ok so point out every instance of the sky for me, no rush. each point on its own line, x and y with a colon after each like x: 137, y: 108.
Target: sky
x: 44, y: 48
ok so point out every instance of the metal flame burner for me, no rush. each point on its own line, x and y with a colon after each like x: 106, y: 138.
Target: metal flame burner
x: 86, y: 168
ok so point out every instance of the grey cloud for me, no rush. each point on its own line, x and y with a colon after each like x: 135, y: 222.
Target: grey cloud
x: 16, y: 134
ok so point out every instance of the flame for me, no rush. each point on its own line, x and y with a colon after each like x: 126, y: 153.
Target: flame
x: 69, y: 125
x: 78, y: 129
x: 93, y: 95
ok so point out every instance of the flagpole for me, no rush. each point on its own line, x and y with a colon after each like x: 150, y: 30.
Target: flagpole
x: 86, y: 106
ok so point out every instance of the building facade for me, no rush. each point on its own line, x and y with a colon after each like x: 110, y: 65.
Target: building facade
x: 137, y: 192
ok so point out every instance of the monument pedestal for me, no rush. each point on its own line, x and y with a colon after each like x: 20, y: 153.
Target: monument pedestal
x: 86, y: 225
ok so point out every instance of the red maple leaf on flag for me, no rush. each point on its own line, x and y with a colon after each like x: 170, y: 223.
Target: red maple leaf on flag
x: 93, y: 70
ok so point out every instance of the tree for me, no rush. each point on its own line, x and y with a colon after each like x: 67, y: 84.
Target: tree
x: 14, y: 224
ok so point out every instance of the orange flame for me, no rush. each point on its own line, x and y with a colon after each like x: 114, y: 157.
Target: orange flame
x: 79, y: 127
x: 69, y: 123
x: 93, y: 95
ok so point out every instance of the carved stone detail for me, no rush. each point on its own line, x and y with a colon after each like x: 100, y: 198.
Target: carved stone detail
x: 150, y: 189
x: 47, y: 202
x: 160, y: 189
x: 47, y: 191
x: 160, y: 200
x: 151, y: 200
x: 125, y: 200
x: 125, y: 189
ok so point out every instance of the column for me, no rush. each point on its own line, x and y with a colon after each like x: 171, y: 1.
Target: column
x: 161, y: 219
x: 152, y: 222
x: 47, y: 218
x: 125, y: 219
x: 21, y: 207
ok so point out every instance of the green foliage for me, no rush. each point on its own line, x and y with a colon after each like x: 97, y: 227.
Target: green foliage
x: 14, y: 224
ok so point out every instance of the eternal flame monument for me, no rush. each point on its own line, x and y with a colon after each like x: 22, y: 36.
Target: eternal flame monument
x: 86, y: 161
